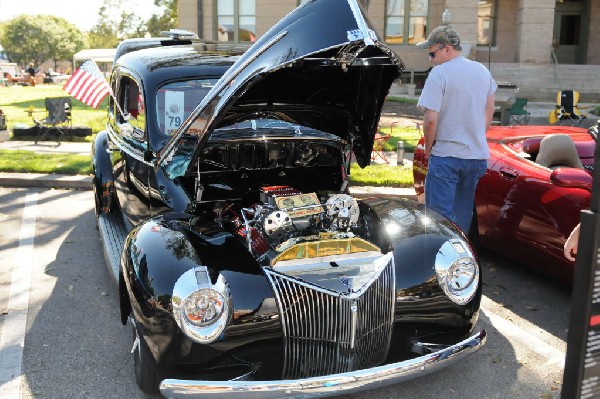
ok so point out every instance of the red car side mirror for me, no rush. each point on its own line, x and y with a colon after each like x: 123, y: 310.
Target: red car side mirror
x: 572, y: 177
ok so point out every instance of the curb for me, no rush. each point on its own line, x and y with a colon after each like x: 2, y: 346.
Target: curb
x: 41, y: 180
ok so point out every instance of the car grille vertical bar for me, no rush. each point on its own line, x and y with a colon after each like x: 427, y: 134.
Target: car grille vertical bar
x: 327, y: 332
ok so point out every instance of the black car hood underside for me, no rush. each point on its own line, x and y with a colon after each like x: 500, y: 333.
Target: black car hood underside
x: 322, y: 66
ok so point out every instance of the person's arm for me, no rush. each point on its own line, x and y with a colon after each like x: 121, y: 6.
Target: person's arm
x: 570, y: 248
x: 430, y: 122
x: 490, y: 107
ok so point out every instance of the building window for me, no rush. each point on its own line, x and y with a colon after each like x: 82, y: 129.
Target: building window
x: 406, y: 21
x: 486, y: 22
x: 236, y: 20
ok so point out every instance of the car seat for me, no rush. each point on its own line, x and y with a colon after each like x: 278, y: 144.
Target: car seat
x: 558, y: 150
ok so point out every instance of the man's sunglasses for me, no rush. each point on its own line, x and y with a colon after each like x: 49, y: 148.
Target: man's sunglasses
x: 432, y: 54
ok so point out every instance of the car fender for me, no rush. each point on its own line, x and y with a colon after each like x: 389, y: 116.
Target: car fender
x: 158, y: 252
x: 102, y: 176
x: 415, y: 234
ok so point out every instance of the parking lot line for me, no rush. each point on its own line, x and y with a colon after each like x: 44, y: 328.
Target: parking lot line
x: 12, y: 335
x: 526, y: 336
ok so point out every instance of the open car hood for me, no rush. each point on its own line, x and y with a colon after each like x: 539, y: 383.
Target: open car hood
x: 321, y: 66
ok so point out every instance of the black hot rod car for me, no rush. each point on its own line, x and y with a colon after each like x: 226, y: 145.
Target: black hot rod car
x: 243, y: 263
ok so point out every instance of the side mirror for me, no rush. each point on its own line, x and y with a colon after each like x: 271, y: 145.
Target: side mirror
x: 572, y: 177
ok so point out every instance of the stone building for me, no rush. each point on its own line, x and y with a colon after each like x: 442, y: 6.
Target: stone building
x: 541, y: 46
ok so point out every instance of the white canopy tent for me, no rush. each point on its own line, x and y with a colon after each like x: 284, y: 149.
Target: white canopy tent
x: 102, y: 56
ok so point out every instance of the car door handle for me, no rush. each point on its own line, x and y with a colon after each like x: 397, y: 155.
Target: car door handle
x: 509, y: 173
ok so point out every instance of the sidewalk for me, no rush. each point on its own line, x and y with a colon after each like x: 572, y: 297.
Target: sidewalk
x: 539, y: 113
x: 48, y: 147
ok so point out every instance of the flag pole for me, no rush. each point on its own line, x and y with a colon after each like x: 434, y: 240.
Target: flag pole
x: 125, y: 118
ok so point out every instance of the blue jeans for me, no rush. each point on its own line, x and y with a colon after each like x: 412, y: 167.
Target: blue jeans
x: 450, y: 187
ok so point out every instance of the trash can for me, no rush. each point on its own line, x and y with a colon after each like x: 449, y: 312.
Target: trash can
x: 506, y: 94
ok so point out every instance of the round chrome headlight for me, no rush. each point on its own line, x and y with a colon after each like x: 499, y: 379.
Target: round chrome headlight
x: 457, y: 271
x: 201, y: 309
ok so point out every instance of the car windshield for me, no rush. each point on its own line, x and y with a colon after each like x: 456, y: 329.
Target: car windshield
x: 175, y: 101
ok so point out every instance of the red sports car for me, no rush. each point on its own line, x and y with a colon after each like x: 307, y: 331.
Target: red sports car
x: 537, y: 181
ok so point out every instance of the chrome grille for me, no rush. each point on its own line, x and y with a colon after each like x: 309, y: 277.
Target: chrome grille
x: 327, y: 332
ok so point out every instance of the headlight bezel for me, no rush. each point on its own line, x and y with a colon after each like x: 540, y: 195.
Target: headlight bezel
x: 457, y: 271
x: 192, y: 286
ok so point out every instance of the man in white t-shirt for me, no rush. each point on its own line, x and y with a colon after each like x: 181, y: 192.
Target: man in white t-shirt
x: 458, y: 99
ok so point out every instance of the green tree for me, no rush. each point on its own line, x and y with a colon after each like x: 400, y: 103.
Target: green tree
x: 169, y: 18
x: 37, y: 38
x: 116, y: 23
x: 106, y: 33
x: 69, y: 40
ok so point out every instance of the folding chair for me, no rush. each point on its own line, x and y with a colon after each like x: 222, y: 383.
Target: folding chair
x: 58, y: 117
x: 378, y: 144
x: 567, y: 108
x: 518, y: 113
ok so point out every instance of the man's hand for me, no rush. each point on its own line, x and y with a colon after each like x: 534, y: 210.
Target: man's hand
x: 570, y: 248
x: 430, y: 121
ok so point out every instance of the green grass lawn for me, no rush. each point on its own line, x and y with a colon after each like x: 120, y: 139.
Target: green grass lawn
x: 16, y: 100
x: 381, y: 175
x: 409, y: 135
x: 29, y: 162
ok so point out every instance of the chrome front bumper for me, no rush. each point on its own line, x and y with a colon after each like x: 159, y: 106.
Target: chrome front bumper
x: 334, y: 384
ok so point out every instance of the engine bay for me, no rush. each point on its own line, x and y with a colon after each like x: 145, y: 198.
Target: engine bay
x: 286, y: 217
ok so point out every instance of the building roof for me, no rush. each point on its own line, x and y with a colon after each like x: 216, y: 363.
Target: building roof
x: 96, y: 54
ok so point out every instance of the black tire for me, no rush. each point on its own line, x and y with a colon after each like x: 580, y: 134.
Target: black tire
x: 145, y: 377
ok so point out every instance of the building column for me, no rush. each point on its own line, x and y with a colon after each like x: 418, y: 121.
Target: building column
x: 188, y: 16
x: 535, y: 28
x: 463, y: 18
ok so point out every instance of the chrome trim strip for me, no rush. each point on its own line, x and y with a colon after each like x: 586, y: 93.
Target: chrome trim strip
x: 362, y: 24
x: 330, y: 385
x: 285, y: 270
x: 133, y: 152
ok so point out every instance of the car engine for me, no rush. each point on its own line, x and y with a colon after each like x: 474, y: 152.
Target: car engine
x: 285, y: 216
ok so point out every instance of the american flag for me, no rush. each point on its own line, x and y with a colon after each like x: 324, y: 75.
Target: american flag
x: 88, y: 84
